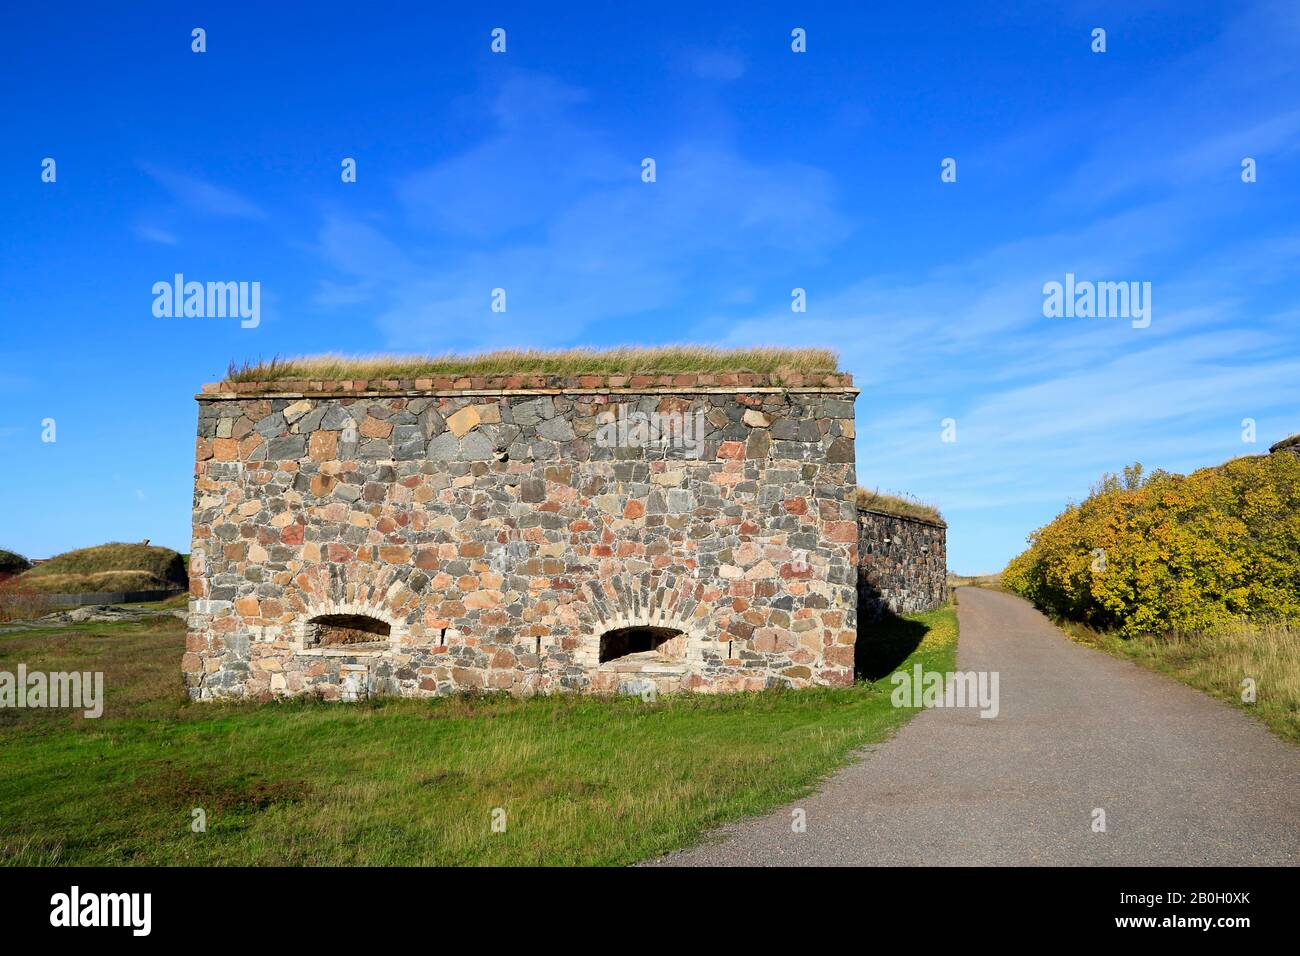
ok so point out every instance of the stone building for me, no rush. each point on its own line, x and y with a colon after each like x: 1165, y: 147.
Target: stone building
x: 523, y: 533
x: 902, y: 563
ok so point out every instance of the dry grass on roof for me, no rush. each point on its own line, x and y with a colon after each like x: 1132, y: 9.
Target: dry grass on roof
x: 899, y: 506
x: 613, y: 361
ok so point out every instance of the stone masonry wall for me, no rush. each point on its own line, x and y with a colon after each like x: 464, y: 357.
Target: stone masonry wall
x: 1290, y: 444
x: 498, y: 527
x: 902, y: 564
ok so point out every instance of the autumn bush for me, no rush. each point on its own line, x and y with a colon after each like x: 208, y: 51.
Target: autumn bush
x: 21, y: 603
x: 1159, y: 552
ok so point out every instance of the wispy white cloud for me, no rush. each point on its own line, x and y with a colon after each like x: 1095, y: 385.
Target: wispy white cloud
x: 204, y: 197
x: 721, y: 65
x: 549, y: 211
x: 153, y: 233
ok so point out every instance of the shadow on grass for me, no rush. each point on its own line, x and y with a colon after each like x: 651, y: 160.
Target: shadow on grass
x: 885, y: 640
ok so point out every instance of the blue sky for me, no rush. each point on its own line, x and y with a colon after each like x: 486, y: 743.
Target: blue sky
x: 775, y: 170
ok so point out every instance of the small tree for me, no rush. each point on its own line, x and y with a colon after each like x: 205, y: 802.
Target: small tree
x: 12, y: 563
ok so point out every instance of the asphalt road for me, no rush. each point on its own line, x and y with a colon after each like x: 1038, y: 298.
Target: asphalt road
x: 1183, y: 779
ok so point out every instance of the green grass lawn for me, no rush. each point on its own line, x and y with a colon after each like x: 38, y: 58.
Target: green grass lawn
x: 581, y: 780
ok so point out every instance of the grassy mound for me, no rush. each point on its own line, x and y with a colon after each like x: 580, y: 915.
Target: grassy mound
x: 613, y: 361
x: 109, y: 567
x: 1150, y: 554
x: 96, y: 582
x: 900, y: 507
x: 12, y: 563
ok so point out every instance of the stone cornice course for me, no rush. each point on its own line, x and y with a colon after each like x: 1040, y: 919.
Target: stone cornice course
x: 889, y: 514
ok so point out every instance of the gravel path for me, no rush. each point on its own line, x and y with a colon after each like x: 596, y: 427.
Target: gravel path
x: 1183, y: 779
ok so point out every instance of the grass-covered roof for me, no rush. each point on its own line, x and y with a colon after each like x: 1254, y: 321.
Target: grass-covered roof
x: 679, y: 359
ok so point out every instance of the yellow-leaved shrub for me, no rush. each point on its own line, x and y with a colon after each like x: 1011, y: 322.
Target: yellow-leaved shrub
x: 1149, y: 554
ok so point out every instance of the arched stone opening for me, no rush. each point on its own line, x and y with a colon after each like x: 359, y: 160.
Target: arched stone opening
x: 638, y: 645
x: 346, y: 630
